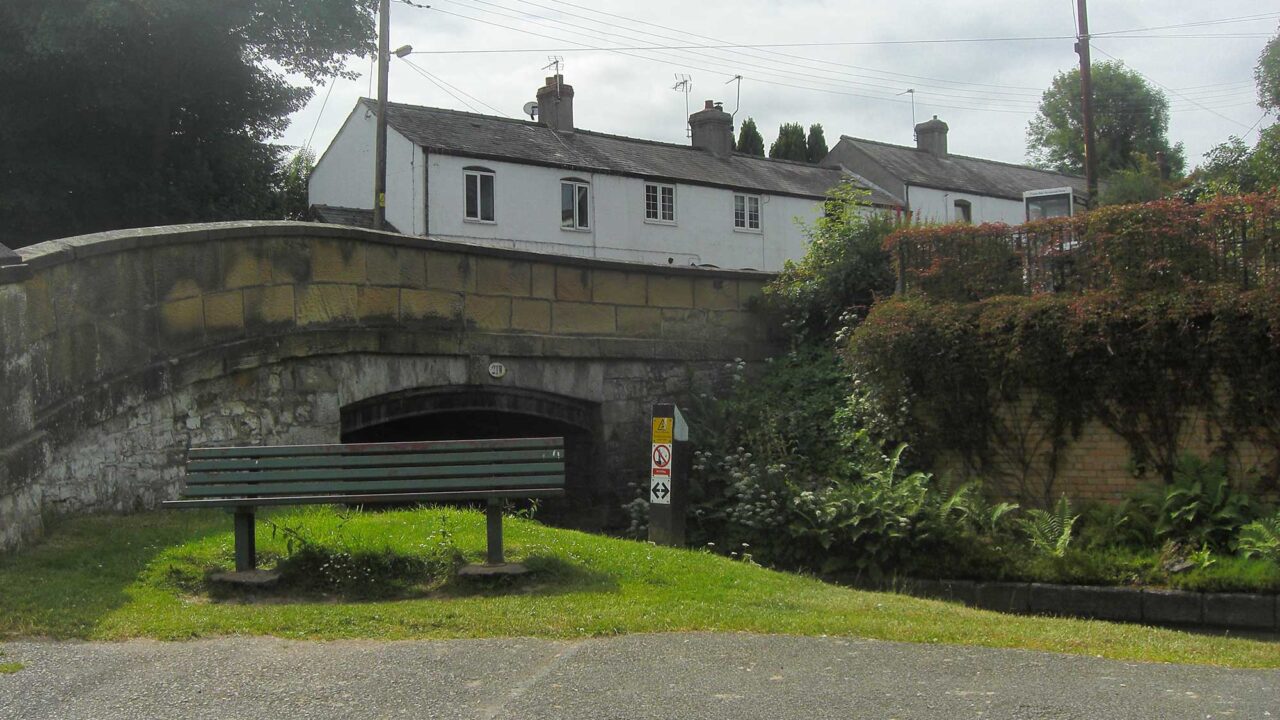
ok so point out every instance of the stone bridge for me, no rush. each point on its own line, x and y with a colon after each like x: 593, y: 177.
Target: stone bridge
x: 121, y: 350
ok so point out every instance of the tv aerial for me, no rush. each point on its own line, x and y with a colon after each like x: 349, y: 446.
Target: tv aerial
x: 685, y: 85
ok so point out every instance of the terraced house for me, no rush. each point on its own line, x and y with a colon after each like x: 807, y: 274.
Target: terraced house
x: 547, y: 186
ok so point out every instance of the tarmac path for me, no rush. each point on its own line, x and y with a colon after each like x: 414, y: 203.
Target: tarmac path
x: 702, y: 676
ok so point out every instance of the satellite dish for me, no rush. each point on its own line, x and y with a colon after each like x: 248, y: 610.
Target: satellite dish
x: 531, y: 109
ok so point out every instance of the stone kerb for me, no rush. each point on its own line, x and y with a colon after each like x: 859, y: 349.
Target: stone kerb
x: 98, y: 326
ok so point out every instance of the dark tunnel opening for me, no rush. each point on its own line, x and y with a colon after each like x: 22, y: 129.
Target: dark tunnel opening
x: 480, y: 413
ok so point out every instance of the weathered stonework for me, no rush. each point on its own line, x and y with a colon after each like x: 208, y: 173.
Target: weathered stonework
x: 121, y: 350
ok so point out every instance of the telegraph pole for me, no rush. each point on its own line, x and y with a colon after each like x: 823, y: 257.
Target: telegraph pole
x: 1086, y: 102
x: 380, y: 145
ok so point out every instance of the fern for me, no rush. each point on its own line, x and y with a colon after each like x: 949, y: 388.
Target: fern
x: 1261, y: 538
x: 1050, y: 531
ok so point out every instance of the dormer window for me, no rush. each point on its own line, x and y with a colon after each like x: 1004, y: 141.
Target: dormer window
x: 575, y: 204
x: 479, y: 194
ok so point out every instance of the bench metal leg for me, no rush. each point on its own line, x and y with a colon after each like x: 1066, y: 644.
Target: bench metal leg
x: 246, y: 557
x: 493, y: 529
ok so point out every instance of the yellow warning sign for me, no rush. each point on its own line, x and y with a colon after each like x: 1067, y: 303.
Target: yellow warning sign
x: 662, y: 429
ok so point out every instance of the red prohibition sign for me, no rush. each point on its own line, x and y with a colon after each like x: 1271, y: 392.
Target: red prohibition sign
x: 661, y: 455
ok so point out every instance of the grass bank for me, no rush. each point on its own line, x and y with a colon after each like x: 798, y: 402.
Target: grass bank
x: 112, y: 577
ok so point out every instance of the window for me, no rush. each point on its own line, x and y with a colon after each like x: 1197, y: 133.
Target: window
x: 575, y: 204
x: 478, y: 206
x: 746, y: 212
x: 964, y: 211
x: 659, y: 203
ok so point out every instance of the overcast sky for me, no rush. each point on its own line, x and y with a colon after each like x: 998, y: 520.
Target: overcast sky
x: 986, y: 91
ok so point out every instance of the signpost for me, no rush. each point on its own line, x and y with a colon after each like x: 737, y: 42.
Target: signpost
x: 669, y: 459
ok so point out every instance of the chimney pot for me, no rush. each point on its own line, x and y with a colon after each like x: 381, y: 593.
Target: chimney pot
x: 710, y: 105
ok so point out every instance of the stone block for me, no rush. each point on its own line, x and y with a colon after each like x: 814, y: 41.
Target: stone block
x: 40, y: 318
x: 619, y: 288
x: 964, y: 591
x: 487, y: 313
x: 335, y: 261
x: 271, y: 306
x: 413, y: 267
x: 326, y: 304
x: 1107, y: 603
x: 1172, y: 607
x: 542, y: 281
x: 1050, y: 599
x: 571, y: 318
x: 245, y: 264
x: 573, y: 284
x: 531, y: 315
x: 378, y: 303
x: 182, y: 319
x: 748, y: 291
x: 1240, y: 610
x: 1012, y: 597
x: 496, y: 276
x: 290, y: 260
x: 430, y: 305
x: 640, y: 321
x: 223, y: 312
x: 183, y: 271
x: 715, y: 294
x: 450, y: 271
x: 673, y: 292
x: 382, y: 265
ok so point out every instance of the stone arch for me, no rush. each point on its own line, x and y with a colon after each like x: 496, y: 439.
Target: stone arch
x: 492, y: 411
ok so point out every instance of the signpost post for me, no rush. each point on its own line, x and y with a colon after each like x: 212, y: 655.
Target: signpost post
x: 669, y: 460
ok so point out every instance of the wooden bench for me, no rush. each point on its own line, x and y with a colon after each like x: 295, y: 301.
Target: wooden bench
x: 245, y: 478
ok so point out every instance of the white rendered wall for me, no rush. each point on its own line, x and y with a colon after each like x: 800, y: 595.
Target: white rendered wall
x: 931, y: 205
x: 343, y: 176
x: 527, y: 216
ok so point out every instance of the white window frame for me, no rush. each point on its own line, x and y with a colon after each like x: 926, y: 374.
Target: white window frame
x: 657, y: 217
x: 578, y: 186
x: 747, y: 201
x: 478, y: 174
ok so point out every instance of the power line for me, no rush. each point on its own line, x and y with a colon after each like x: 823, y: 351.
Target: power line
x: 430, y: 76
x: 1163, y: 87
x: 449, y: 92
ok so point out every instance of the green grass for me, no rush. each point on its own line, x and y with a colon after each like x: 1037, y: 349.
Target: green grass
x: 112, y: 578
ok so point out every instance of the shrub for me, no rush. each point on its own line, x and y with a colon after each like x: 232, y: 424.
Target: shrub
x: 1261, y: 539
x: 1199, y: 509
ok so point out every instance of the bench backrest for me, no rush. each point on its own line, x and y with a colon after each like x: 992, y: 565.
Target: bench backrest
x: 533, y: 466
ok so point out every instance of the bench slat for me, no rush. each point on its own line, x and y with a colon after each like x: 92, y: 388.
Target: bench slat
x: 370, y: 486
x: 380, y: 460
x: 374, y: 448
x: 373, y: 498
x: 267, y: 476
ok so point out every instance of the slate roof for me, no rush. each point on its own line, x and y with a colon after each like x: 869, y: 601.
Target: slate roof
x: 963, y: 174
x: 355, y: 217
x: 452, y: 132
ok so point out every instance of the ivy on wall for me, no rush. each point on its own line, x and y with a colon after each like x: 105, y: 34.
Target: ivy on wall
x: 1005, y: 383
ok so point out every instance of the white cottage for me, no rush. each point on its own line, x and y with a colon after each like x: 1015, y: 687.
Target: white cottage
x: 937, y: 186
x: 547, y: 186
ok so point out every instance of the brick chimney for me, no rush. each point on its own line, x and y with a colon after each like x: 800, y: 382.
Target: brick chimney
x: 712, y: 130
x: 555, y: 104
x: 931, y: 136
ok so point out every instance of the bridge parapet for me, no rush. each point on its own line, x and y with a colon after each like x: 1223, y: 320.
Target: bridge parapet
x: 102, y: 333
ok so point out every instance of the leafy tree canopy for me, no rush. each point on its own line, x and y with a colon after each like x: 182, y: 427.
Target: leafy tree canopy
x: 791, y: 143
x: 123, y: 113
x: 816, y: 146
x: 1233, y: 167
x: 1131, y: 121
x: 750, y: 141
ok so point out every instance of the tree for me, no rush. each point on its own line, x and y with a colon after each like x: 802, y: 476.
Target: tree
x: 292, y: 194
x: 1233, y: 167
x: 121, y: 113
x: 750, y: 141
x: 816, y: 147
x: 1130, y: 120
x: 790, y: 144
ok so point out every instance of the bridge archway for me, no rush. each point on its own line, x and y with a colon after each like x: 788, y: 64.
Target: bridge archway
x: 486, y: 412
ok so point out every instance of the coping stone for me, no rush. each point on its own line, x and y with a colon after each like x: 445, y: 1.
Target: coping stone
x: 1051, y: 599
x: 1107, y: 603
x: 1004, y: 596
x: 1172, y: 607
x: 1240, y: 610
